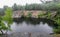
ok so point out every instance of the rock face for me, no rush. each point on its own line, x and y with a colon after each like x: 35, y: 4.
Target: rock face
x: 34, y: 13
x: 33, y: 34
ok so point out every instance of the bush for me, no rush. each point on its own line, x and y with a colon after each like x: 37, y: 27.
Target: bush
x: 6, y: 18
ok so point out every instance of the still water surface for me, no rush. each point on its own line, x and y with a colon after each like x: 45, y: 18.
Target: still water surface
x: 28, y: 27
x: 37, y: 27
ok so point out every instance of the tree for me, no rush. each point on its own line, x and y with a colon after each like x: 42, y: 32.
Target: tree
x: 1, y: 11
x: 5, y: 7
x: 19, y: 7
x: 2, y: 25
x: 15, y: 7
x: 56, y: 1
x: 7, y: 18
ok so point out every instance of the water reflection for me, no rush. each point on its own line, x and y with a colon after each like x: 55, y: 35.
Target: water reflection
x: 32, y: 25
x: 43, y: 28
x: 35, y: 21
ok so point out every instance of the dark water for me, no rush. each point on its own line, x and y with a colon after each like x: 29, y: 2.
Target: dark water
x: 36, y: 27
x: 23, y: 27
x: 32, y: 25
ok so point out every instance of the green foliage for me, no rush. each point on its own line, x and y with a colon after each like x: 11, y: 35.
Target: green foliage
x: 48, y: 6
x: 40, y: 15
x: 53, y: 6
x: 57, y: 20
x: 57, y: 30
x: 1, y: 11
x: 17, y: 7
x: 7, y: 18
x: 2, y: 25
x: 29, y: 14
x: 48, y: 15
x: 14, y: 7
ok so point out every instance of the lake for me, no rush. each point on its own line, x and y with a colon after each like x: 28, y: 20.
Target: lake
x: 34, y: 26
x: 24, y: 27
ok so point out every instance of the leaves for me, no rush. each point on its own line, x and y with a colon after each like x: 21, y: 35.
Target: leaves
x: 29, y: 14
x: 7, y: 18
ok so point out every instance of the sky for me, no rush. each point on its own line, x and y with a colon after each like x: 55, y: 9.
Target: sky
x: 19, y: 2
